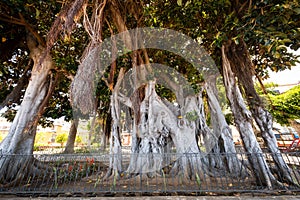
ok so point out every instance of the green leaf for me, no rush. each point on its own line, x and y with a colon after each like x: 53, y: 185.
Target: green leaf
x: 37, y: 13
x: 297, y: 10
x: 179, y: 2
x: 277, y: 55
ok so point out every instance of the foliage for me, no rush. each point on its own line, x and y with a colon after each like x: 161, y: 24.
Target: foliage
x: 283, y: 107
x: 269, y: 87
x: 286, y: 106
x: 37, y: 146
x: 14, y: 57
x: 78, y: 139
x: 61, y: 138
x: 82, y: 150
x: 192, y: 116
x: 88, y: 126
x: 273, y: 28
x: 66, y: 53
x: 74, y: 170
x: 268, y: 27
x: 42, y: 137
x: 229, y: 118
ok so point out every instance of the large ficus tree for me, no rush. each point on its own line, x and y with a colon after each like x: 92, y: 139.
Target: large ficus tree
x: 231, y: 31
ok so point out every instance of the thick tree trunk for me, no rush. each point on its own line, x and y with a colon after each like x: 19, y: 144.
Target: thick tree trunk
x: 148, y: 143
x: 243, y: 121
x: 71, y: 137
x: 221, y: 129
x: 242, y: 66
x: 158, y: 123
x: 20, y: 138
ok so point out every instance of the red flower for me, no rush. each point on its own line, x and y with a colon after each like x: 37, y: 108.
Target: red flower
x: 90, y: 161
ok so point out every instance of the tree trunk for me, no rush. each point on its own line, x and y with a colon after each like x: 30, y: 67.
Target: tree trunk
x: 92, y: 130
x: 147, y: 142
x: 221, y: 129
x: 115, y: 163
x: 243, y: 121
x: 158, y: 123
x: 71, y: 137
x: 106, y: 132
x: 102, y: 141
x: 20, y: 138
x: 242, y: 66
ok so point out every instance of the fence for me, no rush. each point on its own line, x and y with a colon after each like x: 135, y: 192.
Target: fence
x: 83, y: 174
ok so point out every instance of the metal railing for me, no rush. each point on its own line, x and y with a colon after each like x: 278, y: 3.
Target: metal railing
x: 84, y: 174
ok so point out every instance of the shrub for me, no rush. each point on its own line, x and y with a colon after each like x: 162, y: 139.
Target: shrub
x: 61, y: 138
x: 78, y: 139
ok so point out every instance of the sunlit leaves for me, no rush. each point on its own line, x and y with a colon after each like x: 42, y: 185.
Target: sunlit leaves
x: 286, y: 106
x: 271, y: 27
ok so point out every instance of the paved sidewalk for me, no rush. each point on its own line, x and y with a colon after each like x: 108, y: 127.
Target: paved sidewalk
x: 242, y: 197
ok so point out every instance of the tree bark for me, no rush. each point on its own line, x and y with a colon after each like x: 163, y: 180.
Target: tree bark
x: 115, y: 163
x: 221, y: 129
x: 243, y: 121
x: 20, y: 138
x: 158, y: 123
x: 71, y: 137
x: 92, y: 130
x: 106, y: 132
x: 242, y: 66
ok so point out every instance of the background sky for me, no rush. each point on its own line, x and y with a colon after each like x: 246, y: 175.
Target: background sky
x: 287, y: 76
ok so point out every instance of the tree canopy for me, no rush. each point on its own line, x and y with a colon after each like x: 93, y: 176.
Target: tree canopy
x: 210, y: 22
x: 20, y: 17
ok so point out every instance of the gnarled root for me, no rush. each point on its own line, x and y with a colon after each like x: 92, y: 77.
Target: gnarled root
x: 21, y: 169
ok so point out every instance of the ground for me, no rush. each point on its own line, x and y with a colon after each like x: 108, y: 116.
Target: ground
x: 81, y: 175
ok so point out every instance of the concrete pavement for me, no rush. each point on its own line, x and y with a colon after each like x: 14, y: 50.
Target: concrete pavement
x: 241, y: 197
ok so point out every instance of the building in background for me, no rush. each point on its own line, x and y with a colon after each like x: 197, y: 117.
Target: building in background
x: 44, y: 134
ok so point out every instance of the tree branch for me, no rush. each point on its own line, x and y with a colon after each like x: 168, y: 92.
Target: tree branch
x: 22, y: 22
x: 12, y: 21
x: 32, y: 31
